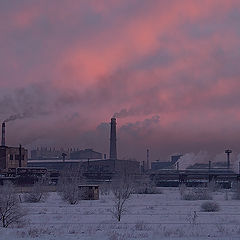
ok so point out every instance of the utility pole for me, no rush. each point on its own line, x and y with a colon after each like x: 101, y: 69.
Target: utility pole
x: 228, y: 152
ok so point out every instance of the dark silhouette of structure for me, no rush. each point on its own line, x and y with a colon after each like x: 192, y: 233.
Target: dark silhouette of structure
x: 228, y: 152
x: 148, y: 166
x: 3, y: 134
x: 166, y: 165
x: 113, y: 140
x: 11, y: 157
x: 87, y: 153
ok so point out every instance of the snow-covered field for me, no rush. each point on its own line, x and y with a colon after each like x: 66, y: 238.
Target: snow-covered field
x: 156, y: 216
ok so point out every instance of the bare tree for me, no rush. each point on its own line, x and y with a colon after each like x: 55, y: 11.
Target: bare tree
x: 37, y: 193
x: 10, y: 209
x: 68, y: 184
x: 122, y: 189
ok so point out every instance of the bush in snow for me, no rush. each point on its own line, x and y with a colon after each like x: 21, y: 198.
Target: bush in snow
x: 236, y: 193
x: 213, y: 186
x: 197, y: 194
x: 10, y: 209
x: 105, y: 188
x: 192, y: 218
x: 68, y: 184
x: 182, y: 190
x: 210, y: 207
x: 146, y: 186
x: 37, y: 193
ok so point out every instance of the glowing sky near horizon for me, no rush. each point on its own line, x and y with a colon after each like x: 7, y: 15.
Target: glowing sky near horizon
x: 169, y: 69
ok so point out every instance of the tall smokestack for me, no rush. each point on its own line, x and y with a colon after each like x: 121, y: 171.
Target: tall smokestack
x: 3, y: 134
x: 113, y: 140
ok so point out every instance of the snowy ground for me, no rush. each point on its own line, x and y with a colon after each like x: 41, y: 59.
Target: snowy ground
x: 157, y: 216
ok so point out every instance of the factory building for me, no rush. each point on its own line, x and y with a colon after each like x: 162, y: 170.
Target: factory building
x: 85, y: 154
x: 52, y: 154
x: 12, y: 157
x: 46, y: 153
x: 166, y: 165
x: 91, y: 162
x: 91, y: 166
x: 118, y: 166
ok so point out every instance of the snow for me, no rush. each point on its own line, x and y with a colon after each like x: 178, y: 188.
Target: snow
x: 153, y: 216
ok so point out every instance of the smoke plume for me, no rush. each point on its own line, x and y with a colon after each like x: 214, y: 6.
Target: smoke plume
x: 16, y: 116
x: 191, y: 158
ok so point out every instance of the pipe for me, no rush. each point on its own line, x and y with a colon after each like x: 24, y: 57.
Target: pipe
x: 148, y: 167
x: 209, y: 165
x: 178, y: 166
x: 20, y: 155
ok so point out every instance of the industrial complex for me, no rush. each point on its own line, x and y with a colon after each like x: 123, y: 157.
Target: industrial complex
x: 95, y: 166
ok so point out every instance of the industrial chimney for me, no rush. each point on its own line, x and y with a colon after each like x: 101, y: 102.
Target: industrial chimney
x: 113, y: 140
x: 3, y: 134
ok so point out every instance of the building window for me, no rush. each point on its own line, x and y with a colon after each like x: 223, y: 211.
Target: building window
x: 11, y: 157
x: 17, y: 157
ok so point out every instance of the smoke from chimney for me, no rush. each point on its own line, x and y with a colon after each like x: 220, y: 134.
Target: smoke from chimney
x: 113, y: 140
x: 3, y: 134
x: 16, y: 116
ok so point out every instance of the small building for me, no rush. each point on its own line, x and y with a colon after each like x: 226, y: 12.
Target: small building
x: 10, y: 157
x: 89, y: 192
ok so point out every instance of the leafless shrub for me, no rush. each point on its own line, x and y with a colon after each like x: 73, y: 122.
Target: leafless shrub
x: 223, y: 230
x: 189, y: 196
x: 122, y: 189
x: 141, y: 226
x: 35, y: 232
x: 105, y: 188
x: 182, y: 190
x: 116, y: 236
x: 210, y: 207
x: 192, y: 218
x: 146, y: 186
x: 171, y: 232
x: 226, y: 195
x: 68, y: 184
x: 197, y: 194
x: 236, y: 192
x: 213, y: 186
x: 10, y: 209
x: 37, y: 193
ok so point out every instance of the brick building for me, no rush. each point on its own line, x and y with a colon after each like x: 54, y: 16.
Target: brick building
x: 10, y: 157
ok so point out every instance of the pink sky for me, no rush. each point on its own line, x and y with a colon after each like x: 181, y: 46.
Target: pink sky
x: 169, y: 69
